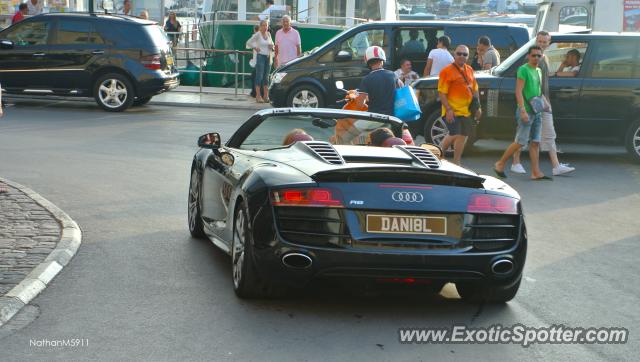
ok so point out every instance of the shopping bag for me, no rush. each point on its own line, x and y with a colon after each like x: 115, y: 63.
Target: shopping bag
x: 405, y: 105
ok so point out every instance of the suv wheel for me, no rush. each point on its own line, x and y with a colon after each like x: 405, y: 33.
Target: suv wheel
x: 305, y: 96
x: 435, y: 128
x: 113, y: 92
x: 141, y: 101
x: 633, y: 140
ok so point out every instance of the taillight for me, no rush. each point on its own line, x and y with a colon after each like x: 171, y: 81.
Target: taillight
x: 151, y: 62
x: 313, y: 197
x: 492, y: 204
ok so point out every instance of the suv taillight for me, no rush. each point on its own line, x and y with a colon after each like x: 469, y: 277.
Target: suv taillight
x: 151, y: 62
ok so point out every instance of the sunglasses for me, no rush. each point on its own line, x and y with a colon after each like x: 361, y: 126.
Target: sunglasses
x: 536, y: 55
x: 462, y: 54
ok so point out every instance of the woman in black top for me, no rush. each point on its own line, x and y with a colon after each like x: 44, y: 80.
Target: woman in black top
x: 173, y: 26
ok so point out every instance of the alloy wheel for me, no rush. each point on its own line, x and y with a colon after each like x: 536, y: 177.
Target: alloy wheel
x: 237, y: 255
x: 194, y: 197
x: 439, y: 131
x: 112, y: 93
x: 636, y: 141
x: 305, y: 99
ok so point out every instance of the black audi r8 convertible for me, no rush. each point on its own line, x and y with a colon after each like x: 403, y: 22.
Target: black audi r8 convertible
x: 298, y: 194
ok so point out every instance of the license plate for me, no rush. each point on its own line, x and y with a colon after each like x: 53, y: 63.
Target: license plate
x: 407, y: 224
x: 169, y: 60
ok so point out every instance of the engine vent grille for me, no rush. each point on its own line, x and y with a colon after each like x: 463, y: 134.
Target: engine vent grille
x: 325, y: 151
x: 425, y: 156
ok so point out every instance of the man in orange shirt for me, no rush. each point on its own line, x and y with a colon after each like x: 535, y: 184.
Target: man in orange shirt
x: 457, y: 86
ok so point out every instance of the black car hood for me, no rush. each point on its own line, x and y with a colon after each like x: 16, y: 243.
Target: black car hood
x: 304, y: 159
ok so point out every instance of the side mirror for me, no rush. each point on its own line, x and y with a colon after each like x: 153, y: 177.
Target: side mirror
x: 6, y: 44
x: 343, y: 56
x: 210, y: 141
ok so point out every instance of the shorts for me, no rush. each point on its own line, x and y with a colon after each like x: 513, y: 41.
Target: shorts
x: 460, y: 126
x: 548, y: 134
x: 530, y: 131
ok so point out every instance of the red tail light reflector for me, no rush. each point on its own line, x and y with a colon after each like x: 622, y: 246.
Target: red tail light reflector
x: 313, y: 197
x: 151, y: 62
x: 492, y: 204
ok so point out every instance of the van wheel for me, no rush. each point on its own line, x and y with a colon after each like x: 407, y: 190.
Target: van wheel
x: 633, y: 140
x: 141, y: 101
x: 113, y: 92
x: 305, y: 96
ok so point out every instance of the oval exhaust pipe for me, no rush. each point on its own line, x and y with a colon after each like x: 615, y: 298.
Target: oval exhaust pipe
x: 297, y: 261
x: 502, y: 267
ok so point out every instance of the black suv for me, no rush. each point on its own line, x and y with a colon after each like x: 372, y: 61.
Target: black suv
x: 118, y: 60
x: 600, y: 104
x: 309, y: 81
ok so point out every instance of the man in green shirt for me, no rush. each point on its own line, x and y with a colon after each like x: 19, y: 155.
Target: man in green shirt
x: 528, y: 86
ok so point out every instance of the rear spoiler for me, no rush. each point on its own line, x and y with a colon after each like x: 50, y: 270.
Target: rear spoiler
x: 400, y: 175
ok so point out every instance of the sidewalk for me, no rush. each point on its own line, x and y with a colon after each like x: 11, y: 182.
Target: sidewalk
x: 182, y: 96
x: 36, y: 241
x: 188, y: 96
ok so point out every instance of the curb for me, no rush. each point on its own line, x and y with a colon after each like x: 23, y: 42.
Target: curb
x: 38, y: 279
x: 230, y: 105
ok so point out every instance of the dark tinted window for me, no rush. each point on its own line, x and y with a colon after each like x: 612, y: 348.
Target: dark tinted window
x: 141, y: 36
x: 77, y: 32
x: 615, y: 59
x: 28, y: 33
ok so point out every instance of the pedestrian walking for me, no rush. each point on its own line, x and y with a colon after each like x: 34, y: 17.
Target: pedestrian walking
x: 262, y: 43
x: 126, y: 7
x: 252, y: 64
x: 548, y: 133
x: 378, y: 87
x: 23, y: 10
x: 405, y: 73
x: 458, y: 88
x: 35, y: 7
x: 288, y: 44
x: 487, y: 56
x: 173, y: 27
x: 439, y: 57
x: 528, y: 114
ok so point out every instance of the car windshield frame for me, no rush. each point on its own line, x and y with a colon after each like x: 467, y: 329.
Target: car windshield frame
x: 364, y: 124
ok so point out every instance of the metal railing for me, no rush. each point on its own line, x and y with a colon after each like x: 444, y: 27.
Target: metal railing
x: 238, y: 59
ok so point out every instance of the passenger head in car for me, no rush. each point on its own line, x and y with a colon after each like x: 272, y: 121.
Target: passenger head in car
x: 384, y: 137
x: 296, y: 135
x: 570, y: 67
x: 144, y: 14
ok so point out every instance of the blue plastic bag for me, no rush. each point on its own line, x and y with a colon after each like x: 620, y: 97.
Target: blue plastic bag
x: 405, y: 105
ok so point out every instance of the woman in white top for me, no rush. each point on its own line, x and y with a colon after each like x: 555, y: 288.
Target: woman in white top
x: 439, y: 57
x: 262, y: 43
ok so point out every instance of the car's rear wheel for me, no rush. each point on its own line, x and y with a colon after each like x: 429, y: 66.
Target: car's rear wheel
x: 196, y: 227
x: 246, y: 281
x: 633, y: 140
x: 141, y: 101
x: 113, y: 92
x: 305, y: 96
x: 486, y: 293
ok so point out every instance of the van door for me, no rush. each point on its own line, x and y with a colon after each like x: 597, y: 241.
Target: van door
x: 346, y: 59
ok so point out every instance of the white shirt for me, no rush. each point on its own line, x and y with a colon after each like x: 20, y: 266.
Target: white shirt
x: 35, y: 9
x: 263, y: 45
x: 440, y: 59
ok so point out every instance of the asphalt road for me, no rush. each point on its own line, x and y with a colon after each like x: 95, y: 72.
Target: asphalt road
x: 141, y: 288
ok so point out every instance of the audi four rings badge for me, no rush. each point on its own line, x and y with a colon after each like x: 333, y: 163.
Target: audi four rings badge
x: 406, y: 196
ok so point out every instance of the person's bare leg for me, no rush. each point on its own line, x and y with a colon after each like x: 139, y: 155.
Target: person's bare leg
x: 458, y: 143
x: 446, y: 142
x: 510, y: 151
x: 258, y: 97
x: 534, y: 148
x: 265, y: 93
x: 553, y: 157
x: 516, y: 157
